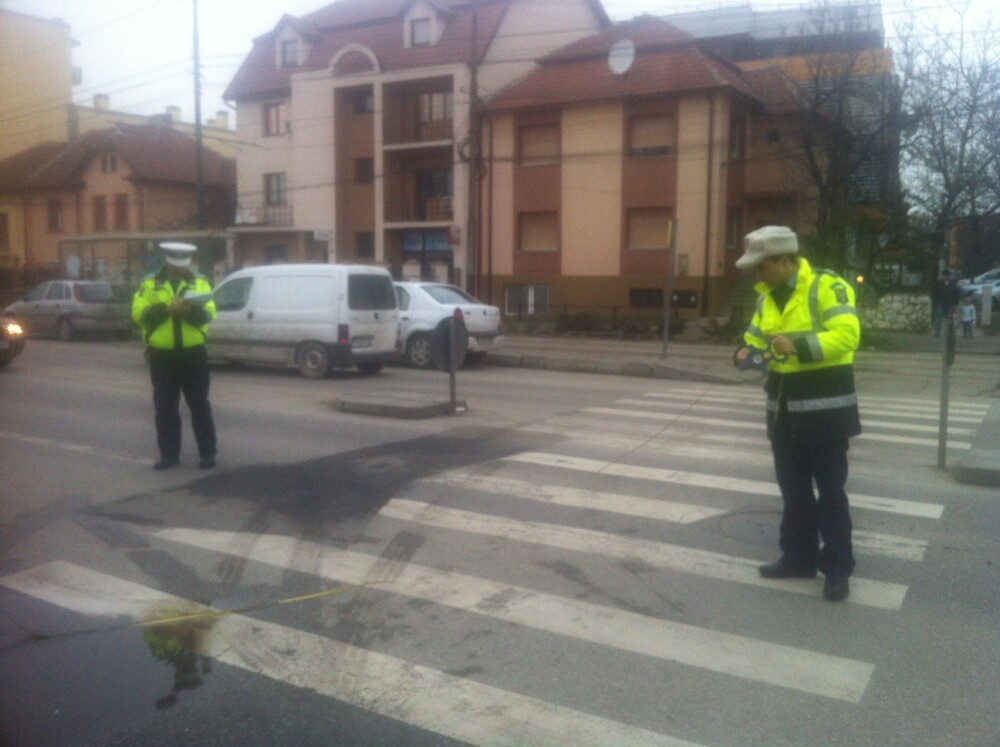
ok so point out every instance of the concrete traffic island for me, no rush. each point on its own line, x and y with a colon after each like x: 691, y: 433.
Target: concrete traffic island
x: 403, y: 406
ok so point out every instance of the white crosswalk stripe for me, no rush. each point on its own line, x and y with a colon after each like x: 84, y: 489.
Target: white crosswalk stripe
x: 558, y: 481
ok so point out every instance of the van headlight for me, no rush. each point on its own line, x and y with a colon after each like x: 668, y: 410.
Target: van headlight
x: 13, y: 329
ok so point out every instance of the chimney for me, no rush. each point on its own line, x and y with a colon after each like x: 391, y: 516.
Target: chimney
x: 174, y: 112
x: 102, y: 102
x: 222, y: 120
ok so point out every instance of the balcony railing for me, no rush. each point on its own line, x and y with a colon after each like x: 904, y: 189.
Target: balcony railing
x: 431, y: 209
x: 277, y: 216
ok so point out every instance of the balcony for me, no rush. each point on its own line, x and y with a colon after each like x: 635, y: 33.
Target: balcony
x: 266, y: 216
x: 433, y: 209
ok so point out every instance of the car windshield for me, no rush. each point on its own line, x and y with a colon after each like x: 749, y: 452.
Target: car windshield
x: 448, y: 294
x: 97, y: 293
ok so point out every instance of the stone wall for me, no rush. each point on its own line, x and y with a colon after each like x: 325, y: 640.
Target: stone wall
x: 899, y: 312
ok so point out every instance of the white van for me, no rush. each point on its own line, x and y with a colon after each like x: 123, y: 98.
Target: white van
x: 316, y: 317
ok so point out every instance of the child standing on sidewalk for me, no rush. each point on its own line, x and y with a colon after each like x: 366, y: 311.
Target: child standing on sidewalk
x: 967, y: 315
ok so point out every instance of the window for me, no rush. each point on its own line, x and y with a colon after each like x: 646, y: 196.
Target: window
x: 121, y: 212
x: 364, y: 170
x: 275, y: 189
x: 645, y: 298
x: 734, y: 230
x: 4, y: 232
x: 435, y: 182
x: 538, y: 232
x: 364, y: 245
x: 526, y: 299
x: 420, y: 32
x: 290, y: 53
x: 538, y: 145
x: 276, y: 119
x: 370, y: 292
x: 652, y: 135
x: 275, y: 254
x: 233, y: 296
x: 649, y: 228
x: 109, y: 163
x: 54, y: 209
x: 100, y: 214
x: 57, y: 292
x: 363, y: 102
x: 435, y: 107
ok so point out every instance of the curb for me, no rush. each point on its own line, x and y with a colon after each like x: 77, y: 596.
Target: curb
x: 406, y: 408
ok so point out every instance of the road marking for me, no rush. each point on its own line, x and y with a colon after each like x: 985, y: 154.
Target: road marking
x: 759, y: 426
x: 457, y: 707
x: 717, y: 482
x: 725, y: 653
x: 967, y: 407
x: 658, y: 554
x: 866, y: 411
x: 78, y: 448
x: 631, y: 505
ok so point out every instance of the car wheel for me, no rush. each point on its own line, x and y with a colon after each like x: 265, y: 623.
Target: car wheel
x: 418, y: 350
x: 65, y: 330
x: 313, y: 360
x: 369, y: 369
x: 474, y: 359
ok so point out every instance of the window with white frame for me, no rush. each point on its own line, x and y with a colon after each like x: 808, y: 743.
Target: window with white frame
x: 420, y: 32
x: 290, y: 53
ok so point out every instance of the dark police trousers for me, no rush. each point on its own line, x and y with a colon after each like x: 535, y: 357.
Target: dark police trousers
x: 174, y: 372
x: 807, y: 516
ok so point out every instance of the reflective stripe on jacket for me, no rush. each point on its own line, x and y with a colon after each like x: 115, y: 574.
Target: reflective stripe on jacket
x: 163, y: 331
x: 812, y: 390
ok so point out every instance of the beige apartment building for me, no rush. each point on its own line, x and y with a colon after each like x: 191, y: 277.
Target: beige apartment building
x: 355, y: 121
x: 628, y: 156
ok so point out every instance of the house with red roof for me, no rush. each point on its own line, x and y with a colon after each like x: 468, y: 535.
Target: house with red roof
x: 356, y: 121
x: 101, y: 201
x: 629, y: 156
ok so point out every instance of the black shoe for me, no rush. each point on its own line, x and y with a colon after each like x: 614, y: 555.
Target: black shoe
x: 836, y: 589
x: 207, y: 463
x: 780, y: 569
x: 166, y: 464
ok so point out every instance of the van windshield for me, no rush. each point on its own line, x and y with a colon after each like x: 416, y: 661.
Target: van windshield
x: 370, y: 293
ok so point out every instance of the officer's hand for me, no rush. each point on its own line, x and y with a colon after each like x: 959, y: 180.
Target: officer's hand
x: 740, y: 355
x: 177, y: 306
x: 781, y: 345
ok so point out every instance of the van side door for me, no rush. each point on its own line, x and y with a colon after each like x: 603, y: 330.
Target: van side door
x: 229, y: 334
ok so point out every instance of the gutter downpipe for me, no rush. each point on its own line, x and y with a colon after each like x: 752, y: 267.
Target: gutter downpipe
x: 708, y: 202
x: 489, y: 225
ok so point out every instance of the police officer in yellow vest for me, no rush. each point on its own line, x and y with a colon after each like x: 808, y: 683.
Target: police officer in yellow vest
x: 173, y: 309
x: 807, y: 325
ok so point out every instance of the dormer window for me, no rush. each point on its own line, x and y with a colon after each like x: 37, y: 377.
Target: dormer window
x: 290, y: 53
x: 420, y: 32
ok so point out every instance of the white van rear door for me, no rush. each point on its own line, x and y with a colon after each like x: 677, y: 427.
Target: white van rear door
x: 372, y: 310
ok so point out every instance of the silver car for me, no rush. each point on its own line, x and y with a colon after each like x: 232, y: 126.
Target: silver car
x: 67, y: 308
x: 422, y: 305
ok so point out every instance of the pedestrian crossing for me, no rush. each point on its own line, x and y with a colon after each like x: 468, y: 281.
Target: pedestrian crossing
x: 674, y: 463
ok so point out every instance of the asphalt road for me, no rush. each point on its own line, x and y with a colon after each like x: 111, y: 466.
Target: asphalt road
x: 571, y: 561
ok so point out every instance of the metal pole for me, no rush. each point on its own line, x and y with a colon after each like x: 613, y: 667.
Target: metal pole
x: 669, y: 291
x: 947, y: 357
x: 452, y: 361
x: 199, y: 146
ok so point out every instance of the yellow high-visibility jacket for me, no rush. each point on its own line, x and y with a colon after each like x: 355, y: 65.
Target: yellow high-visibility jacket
x: 814, y: 388
x: 163, y: 331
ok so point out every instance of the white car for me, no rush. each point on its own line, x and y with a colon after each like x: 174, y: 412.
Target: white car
x: 422, y: 305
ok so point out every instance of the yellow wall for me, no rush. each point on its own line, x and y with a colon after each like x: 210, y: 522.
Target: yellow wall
x: 36, y: 84
x: 591, y: 189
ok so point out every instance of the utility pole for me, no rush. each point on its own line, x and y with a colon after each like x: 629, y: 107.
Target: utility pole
x: 474, y: 154
x: 198, y: 145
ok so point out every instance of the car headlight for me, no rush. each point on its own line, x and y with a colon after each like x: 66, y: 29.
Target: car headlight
x: 13, y: 329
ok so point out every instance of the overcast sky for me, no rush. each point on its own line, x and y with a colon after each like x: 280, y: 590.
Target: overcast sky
x: 140, y: 51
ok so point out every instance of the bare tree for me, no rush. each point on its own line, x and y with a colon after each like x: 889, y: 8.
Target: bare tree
x: 951, y: 164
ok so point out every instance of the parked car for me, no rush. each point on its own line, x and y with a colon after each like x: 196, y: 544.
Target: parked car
x: 422, y: 305
x: 67, y: 308
x: 976, y: 289
x: 316, y: 317
x: 990, y: 276
x: 11, y: 340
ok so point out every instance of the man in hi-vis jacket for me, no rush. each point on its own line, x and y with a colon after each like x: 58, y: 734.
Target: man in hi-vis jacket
x: 173, y: 309
x: 806, y: 326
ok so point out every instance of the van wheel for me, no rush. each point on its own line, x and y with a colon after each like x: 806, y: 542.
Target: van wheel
x: 418, y: 350
x: 369, y: 369
x: 65, y: 330
x: 313, y: 360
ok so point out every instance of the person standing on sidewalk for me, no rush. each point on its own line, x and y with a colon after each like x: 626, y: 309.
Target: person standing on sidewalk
x: 967, y: 315
x: 806, y: 319
x: 944, y: 299
x: 173, y: 309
